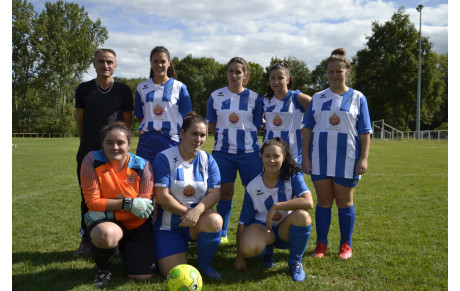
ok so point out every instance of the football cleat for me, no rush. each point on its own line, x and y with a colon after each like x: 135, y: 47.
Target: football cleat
x: 102, y: 279
x: 320, y: 250
x: 345, y: 251
x: 297, y: 272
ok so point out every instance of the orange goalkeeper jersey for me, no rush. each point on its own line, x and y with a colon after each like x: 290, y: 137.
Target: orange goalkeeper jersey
x: 99, y: 182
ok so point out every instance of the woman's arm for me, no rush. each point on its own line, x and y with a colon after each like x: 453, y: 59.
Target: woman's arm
x: 191, y: 216
x: 303, y: 202
x: 361, y: 166
x: 306, y: 139
x: 239, y: 262
x: 304, y: 100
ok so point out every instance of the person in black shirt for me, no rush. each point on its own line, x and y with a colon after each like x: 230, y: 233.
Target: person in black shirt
x: 99, y: 102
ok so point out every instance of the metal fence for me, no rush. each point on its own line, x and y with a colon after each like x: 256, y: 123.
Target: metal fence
x: 383, y: 131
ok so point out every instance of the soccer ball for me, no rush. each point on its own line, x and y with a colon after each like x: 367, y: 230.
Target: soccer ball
x: 183, y: 278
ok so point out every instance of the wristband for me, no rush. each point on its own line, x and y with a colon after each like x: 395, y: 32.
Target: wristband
x: 110, y: 215
x: 127, y: 204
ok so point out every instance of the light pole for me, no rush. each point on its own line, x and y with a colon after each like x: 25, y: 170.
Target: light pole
x: 419, y: 79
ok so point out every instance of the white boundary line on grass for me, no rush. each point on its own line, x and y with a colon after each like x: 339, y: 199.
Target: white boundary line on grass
x: 35, y: 194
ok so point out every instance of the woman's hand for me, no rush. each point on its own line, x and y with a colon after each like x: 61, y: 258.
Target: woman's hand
x: 361, y: 166
x: 190, y: 218
x: 239, y: 262
x: 271, y: 213
x: 306, y: 166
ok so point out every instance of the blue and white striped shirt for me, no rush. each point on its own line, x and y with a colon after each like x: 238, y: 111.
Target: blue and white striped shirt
x: 237, y: 117
x: 258, y: 199
x: 284, y: 119
x: 336, y: 122
x: 162, y: 107
x: 187, y: 182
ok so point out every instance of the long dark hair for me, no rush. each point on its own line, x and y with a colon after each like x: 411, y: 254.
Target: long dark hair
x: 289, y: 166
x: 161, y: 49
x: 279, y: 66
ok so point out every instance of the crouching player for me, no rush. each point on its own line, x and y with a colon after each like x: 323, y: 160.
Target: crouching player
x: 274, y: 211
x: 118, y: 188
x: 187, y: 186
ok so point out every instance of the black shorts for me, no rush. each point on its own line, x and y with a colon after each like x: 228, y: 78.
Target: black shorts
x: 137, y: 248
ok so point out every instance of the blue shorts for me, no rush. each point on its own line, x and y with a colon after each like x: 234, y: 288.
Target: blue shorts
x: 171, y: 242
x: 350, y: 183
x: 153, y: 142
x: 248, y: 165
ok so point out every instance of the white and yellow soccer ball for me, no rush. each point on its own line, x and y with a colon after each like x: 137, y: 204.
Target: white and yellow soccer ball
x: 184, y: 277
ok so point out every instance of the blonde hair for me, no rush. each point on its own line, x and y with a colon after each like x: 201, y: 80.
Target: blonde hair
x: 339, y: 55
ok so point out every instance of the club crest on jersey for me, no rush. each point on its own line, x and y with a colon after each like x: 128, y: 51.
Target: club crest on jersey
x: 277, y: 121
x: 189, y: 191
x: 131, y: 179
x: 277, y: 216
x: 334, y: 119
x: 233, y: 118
x: 158, y: 110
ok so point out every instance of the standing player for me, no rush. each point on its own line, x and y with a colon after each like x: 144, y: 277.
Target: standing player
x: 234, y: 115
x: 187, y: 183
x: 97, y: 103
x: 336, y: 139
x: 284, y: 109
x: 118, y: 188
x: 274, y: 211
x: 161, y: 104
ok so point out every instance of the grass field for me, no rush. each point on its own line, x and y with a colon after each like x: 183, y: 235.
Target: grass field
x: 400, y: 241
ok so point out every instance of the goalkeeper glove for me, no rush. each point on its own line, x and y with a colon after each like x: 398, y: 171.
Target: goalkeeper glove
x: 93, y: 216
x: 141, y: 207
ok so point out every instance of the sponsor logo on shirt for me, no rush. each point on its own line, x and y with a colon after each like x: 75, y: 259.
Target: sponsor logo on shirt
x: 322, y: 96
x: 277, y: 216
x: 158, y: 110
x: 233, y: 118
x: 277, y: 121
x: 334, y: 119
x: 189, y: 191
x: 259, y: 192
x: 220, y: 94
x: 145, y: 87
x: 105, y: 171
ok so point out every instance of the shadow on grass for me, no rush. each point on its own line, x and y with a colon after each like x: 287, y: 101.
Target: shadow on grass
x: 38, y: 272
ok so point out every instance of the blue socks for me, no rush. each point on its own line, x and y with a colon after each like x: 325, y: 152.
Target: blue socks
x: 298, y: 240
x: 346, y: 224
x: 323, y: 222
x: 224, y: 208
x: 207, y: 244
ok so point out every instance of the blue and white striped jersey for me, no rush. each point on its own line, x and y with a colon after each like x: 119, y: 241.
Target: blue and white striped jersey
x: 283, y: 118
x: 237, y: 117
x: 336, y: 122
x: 258, y: 199
x: 187, y: 182
x: 162, y: 107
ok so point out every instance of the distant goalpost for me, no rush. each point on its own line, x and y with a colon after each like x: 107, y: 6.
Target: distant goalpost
x: 383, y: 131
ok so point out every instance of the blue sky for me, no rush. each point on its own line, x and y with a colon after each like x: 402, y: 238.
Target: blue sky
x: 256, y: 30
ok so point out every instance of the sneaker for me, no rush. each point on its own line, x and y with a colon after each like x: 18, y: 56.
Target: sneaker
x: 83, y: 249
x: 320, y: 250
x: 224, y: 240
x: 102, y: 278
x: 268, y: 259
x: 209, y: 272
x: 297, y: 272
x: 345, y: 251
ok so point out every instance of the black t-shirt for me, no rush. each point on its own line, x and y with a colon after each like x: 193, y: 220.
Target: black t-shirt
x: 101, y: 109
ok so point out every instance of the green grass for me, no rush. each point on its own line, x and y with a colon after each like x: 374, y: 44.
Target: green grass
x: 399, y: 242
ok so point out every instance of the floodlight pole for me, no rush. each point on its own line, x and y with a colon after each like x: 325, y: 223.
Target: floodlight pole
x: 419, y: 79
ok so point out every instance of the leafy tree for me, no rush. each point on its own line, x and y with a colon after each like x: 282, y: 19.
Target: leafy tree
x: 60, y: 41
x: 23, y: 62
x: 386, y: 72
x: 318, y: 79
x: 202, y: 76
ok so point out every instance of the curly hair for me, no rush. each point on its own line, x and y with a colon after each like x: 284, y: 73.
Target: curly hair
x: 289, y: 166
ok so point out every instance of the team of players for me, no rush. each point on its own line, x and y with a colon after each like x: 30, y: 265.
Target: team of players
x: 328, y: 135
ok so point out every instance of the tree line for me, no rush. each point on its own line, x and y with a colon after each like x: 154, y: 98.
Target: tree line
x: 52, y: 50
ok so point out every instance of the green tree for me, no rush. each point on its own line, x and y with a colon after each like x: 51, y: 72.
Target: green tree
x: 318, y: 79
x: 24, y: 55
x: 386, y: 72
x: 202, y: 76
x: 61, y: 41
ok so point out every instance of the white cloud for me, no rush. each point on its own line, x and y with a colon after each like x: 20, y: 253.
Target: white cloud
x: 256, y: 30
